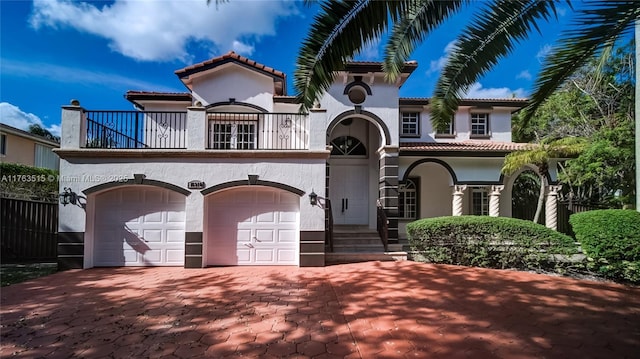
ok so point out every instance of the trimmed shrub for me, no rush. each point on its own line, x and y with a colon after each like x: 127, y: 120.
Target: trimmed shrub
x: 490, y: 242
x: 26, y: 182
x: 611, y: 239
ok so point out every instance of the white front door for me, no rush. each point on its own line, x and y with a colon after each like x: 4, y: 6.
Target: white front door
x: 139, y: 226
x: 349, y: 193
x: 253, y: 226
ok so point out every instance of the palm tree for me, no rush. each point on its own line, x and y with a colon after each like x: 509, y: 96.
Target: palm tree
x: 540, y: 155
x: 343, y: 28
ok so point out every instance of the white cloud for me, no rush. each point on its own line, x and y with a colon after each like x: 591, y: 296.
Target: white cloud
x: 543, y: 52
x: 477, y: 91
x: 151, y: 30
x: 76, y: 75
x: 370, y: 52
x: 525, y: 75
x: 242, y: 48
x: 436, y: 65
x: 13, y: 116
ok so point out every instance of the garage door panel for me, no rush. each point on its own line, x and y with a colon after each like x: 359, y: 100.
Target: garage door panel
x: 268, y: 217
x: 261, y: 227
x: 286, y: 256
x: 265, y: 236
x: 287, y: 236
x: 152, y: 236
x: 138, y: 227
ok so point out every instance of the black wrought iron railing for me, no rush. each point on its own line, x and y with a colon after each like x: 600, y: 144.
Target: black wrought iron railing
x: 257, y: 131
x: 135, y: 129
x: 328, y: 234
x: 383, y: 226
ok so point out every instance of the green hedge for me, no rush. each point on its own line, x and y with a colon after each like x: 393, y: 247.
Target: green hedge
x: 26, y: 182
x: 611, y: 239
x: 492, y: 242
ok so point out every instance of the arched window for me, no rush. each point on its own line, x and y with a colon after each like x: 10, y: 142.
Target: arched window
x: 347, y: 146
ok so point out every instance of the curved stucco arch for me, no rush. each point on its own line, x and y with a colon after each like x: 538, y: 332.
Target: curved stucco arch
x: 442, y: 163
x: 136, y: 182
x: 366, y: 115
x: 245, y: 183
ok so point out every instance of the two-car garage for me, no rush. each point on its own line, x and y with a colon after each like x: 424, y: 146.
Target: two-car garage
x: 145, y: 226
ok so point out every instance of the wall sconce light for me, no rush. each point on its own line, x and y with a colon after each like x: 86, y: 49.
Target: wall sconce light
x: 67, y: 197
x: 313, y: 198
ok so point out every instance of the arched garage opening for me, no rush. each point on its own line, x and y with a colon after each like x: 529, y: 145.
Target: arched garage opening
x: 138, y: 225
x: 252, y: 225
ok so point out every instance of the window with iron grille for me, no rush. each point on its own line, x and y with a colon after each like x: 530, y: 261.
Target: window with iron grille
x: 480, y: 202
x: 410, y: 124
x: 480, y: 124
x: 3, y: 144
x: 408, y: 199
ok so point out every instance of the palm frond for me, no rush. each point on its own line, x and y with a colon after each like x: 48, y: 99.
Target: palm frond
x: 420, y: 18
x: 492, y: 34
x: 542, y: 153
x: 598, y: 25
x: 340, y: 30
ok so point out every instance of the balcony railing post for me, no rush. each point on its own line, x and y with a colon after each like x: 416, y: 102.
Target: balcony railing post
x: 73, y: 129
x: 196, y: 128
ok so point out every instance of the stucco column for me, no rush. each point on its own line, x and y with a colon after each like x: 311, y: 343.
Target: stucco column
x: 494, y: 200
x: 196, y: 127
x: 73, y: 127
x: 551, y: 207
x: 458, y: 195
x: 388, y: 188
x: 317, y: 129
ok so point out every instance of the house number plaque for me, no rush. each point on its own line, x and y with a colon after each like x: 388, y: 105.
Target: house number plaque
x: 195, y: 185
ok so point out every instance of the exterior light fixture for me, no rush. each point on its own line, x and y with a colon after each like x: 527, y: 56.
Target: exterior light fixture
x: 313, y: 198
x: 67, y: 197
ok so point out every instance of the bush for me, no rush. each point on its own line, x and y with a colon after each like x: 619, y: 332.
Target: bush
x: 26, y: 182
x: 491, y: 242
x: 611, y: 239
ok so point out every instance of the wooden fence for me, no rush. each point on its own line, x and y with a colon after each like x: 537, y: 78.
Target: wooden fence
x: 28, y: 231
x: 565, y: 210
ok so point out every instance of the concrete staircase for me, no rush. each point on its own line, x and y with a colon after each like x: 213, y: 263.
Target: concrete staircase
x: 353, y: 244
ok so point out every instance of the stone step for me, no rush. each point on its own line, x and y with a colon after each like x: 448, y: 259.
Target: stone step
x: 348, y: 248
x: 357, y: 240
x: 341, y: 258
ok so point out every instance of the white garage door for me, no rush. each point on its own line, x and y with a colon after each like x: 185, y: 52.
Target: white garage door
x: 139, y: 226
x: 252, y: 226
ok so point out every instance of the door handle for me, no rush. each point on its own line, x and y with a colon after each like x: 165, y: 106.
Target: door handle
x: 343, y: 205
x: 248, y: 245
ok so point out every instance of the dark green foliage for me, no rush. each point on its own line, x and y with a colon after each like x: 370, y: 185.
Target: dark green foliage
x: 611, y: 238
x: 20, y: 181
x: 492, y: 242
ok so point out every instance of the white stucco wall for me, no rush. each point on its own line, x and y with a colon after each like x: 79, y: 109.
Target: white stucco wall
x: 499, y: 125
x: 383, y: 102
x: 234, y: 81
x: 81, y: 174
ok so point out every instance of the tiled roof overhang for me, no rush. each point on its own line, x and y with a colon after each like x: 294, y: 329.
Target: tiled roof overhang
x: 462, y: 149
x: 279, y: 77
x: 477, y: 102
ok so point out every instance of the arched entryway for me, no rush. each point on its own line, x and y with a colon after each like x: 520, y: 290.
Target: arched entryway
x: 353, y: 169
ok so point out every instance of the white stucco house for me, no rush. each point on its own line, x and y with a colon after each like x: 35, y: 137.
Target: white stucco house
x: 228, y: 172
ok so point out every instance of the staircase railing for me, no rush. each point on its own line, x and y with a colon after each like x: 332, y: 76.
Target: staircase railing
x: 328, y: 234
x: 383, y: 226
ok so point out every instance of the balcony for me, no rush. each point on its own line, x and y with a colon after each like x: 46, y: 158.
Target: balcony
x: 170, y: 130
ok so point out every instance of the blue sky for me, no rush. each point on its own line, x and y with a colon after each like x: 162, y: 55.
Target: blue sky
x: 53, y: 51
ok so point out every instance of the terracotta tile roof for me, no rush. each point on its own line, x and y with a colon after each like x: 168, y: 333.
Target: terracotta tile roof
x: 504, y: 102
x: 374, y: 66
x: 159, y: 95
x: 464, y: 146
x: 219, y: 60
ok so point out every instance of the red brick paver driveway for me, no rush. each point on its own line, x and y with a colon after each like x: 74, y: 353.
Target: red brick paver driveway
x: 368, y: 310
